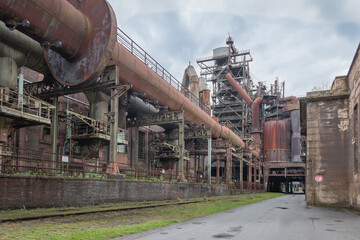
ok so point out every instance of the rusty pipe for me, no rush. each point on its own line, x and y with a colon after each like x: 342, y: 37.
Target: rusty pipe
x: 143, y: 79
x: 86, y: 31
x: 50, y: 21
x: 239, y: 89
x: 256, y: 122
x: 254, y: 104
x: 256, y: 115
x: 291, y: 99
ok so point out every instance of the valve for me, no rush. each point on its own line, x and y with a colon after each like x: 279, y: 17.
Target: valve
x: 12, y: 25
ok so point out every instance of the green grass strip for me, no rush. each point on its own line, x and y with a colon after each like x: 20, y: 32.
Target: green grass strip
x: 117, y: 224
x: 105, y: 233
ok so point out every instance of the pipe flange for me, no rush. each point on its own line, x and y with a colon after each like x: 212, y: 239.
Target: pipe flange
x: 86, y: 68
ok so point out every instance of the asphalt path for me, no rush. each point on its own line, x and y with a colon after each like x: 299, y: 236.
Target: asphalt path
x: 283, y: 218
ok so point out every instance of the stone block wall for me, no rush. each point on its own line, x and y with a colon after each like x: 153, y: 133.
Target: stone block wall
x: 327, y: 148
x: 354, y: 103
x: 35, y: 192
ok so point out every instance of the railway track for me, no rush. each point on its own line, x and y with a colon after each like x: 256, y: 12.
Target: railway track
x: 82, y: 212
x: 72, y: 212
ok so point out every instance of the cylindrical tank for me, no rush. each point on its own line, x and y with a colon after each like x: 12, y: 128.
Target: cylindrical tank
x: 221, y: 55
x: 221, y: 51
x: 277, y: 135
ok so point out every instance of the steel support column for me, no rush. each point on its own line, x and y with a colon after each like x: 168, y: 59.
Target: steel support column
x: 250, y: 174
x: 255, y: 175
x: 135, y: 146
x: 209, y: 158
x: 54, y: 134
x: 241, y: 177
x: 217, y: 170
x: 114, y: 124
x: 228, y: 163
x: 181, y: 149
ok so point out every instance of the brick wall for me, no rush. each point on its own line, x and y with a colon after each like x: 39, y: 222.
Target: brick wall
x: 33, y: 192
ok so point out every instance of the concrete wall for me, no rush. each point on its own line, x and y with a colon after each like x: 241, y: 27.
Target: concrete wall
x: 32, y: 192
x: 354, y: 85
x: 327, y: 147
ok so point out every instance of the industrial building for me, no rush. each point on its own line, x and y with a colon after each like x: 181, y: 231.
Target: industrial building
x: 79, y: 97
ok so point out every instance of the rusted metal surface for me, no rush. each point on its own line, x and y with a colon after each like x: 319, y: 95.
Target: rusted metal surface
x: 292, y: 99
x: 50, y: 21
x: 87, y: 35
x: 256, y: 123
x: 239, y: 89
x: 296, y: 136
x: 277, y: 141
x: 256, y: 115
x: 143, y: 79
x: 293, y: 106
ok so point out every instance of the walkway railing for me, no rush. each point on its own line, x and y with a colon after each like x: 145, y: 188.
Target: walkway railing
x: 143, y: 56
x: 27, y: 162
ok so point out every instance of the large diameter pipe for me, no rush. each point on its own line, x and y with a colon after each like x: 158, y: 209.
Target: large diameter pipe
x: 291, y: 99
x: 87, y: 33
x: 50, y: 21
x: 256, y: 122
x: 239, y: 89
x: 22, y: 49
x: 143, y: 79
x: 256, y: 114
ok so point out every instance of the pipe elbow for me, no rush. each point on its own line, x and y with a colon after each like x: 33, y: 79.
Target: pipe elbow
x: 292, y: 99
x: 239, y: 89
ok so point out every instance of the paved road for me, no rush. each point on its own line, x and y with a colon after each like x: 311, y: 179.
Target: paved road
x: 283, y: 218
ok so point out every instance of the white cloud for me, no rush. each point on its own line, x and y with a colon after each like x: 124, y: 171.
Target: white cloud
x: 306, y: 43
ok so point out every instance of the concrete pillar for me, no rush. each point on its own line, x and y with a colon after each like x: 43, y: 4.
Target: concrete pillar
x: 114, y: 125
x: 99, y: 104
x: 54, y: 133
x: 8, y: 72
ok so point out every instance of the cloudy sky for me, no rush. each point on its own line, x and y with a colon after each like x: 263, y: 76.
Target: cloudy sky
x: 305, y: 42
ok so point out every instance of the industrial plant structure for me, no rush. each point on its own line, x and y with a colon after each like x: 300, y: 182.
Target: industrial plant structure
x: 79, y: 97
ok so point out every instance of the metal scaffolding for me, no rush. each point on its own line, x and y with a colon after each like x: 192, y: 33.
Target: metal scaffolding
x: 230, y: 109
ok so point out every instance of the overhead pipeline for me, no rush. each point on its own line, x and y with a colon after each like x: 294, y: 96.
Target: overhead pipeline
x: 58, y: 20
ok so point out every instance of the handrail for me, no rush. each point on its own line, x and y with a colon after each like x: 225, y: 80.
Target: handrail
x: 143, y: 56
